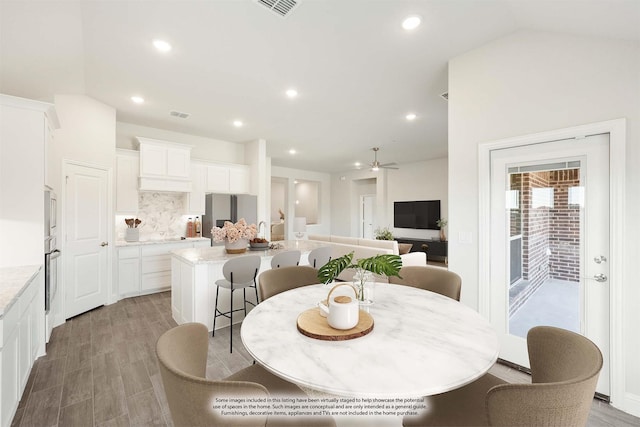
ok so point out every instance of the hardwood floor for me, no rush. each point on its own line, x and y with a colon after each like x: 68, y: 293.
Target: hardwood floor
x: 101, y: 370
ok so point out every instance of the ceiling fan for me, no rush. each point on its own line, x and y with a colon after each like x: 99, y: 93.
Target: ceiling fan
x: 376, y: 165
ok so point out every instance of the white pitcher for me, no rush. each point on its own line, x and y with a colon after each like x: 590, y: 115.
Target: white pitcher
x: 343, y: 311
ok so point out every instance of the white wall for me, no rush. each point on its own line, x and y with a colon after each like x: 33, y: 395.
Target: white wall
x: 203, y: 148
x: 425, y: 180
x: 278, y: 199
x: 306, y: 201
x: 532, y: 82
x: 324, y: 211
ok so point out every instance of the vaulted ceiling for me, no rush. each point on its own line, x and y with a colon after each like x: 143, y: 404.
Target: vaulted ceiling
x: 358, y: 73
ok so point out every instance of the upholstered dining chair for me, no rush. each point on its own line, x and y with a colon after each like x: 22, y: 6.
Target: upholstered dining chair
x: 182, y: 357
x: 286, y: 259
x: 564, y: 372
x: 433, y: 279
x: 239, y: 273
x: 272, y: 282
x: 319, y: 256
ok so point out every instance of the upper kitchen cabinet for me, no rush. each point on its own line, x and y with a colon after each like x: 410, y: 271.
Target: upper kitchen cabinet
x: 164, y: 166
x: 127, y: 172
x: 232, y: 179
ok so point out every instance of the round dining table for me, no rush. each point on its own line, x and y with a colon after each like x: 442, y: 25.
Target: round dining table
x: 421, y: 344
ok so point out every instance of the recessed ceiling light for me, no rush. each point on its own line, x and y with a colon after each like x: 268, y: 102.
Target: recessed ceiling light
x: 237, y: 123
x: 292, y: 151
x: 357, y: 164
x: 411, y: 116
x: 162, y: 46
x: 411, y: 22
x: 292, y: 93
x: 137, y: 99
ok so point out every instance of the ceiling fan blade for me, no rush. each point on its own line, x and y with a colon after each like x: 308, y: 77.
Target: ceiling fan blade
x: 382, y: 165
x: 388, y: 167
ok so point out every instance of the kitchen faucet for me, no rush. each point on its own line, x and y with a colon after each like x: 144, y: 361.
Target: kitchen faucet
x: 260, y: 224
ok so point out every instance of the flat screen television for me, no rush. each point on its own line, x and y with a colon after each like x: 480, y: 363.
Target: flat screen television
x: 420, y: 214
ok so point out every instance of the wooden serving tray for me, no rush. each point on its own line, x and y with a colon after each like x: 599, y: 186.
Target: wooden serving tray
x: 313, y: 325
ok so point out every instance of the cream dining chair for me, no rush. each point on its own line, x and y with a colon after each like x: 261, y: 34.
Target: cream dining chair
x: 433, y: 279
x: 277, y: 280
x: 564, y: 372
x: 182, y: 356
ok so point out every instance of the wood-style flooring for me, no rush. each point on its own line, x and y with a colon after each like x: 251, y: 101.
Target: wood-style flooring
x: 101, y: 370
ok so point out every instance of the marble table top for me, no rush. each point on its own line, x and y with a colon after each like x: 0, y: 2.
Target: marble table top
x: 217, y: 254
x: 422, y: 344
x: 13, y: 281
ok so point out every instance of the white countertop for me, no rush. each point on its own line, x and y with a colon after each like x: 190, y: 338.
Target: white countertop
x: 161, y: 241
x: 217, y: 254
x: 13, y: 281
x: 422, y: 343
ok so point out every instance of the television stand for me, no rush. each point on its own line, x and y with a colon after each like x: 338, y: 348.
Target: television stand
x: 435, y: 249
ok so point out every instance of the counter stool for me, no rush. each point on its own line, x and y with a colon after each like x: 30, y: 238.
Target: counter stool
x: 319, y: 256
x: 239, y: 273
x: 286, y: 259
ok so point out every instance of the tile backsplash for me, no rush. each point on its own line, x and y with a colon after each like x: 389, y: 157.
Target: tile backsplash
x: 162, y: 215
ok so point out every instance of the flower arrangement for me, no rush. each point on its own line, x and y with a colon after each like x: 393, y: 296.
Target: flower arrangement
x: 234, y: 232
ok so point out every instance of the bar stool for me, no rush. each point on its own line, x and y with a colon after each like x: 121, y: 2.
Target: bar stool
x: 319, y: 256
x: 286, y: 259
x: 239, y: 273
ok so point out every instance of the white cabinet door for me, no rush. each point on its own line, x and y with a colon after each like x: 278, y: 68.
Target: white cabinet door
x: 127, y: 171
x: 217, y: 179
x: 178, y: 163
x: 9, y: 384
x: 128, y: 271
x: 153, y: 160
x: 239, y: 179
x: 196, y: 200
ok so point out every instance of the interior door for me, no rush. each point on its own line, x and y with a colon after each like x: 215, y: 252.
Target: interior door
x: 554, y: 199
x: 367, y: 209
x: 86, y: 232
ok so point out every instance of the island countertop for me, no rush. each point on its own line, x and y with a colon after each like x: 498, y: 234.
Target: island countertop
x: 217, y: 254
x: 13, y: 281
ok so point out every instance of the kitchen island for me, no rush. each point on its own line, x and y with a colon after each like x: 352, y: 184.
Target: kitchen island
x: 194, y: 272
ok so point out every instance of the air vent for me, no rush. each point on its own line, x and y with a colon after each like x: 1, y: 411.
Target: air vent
x: 281, y: 8
x: 179, y: 114
x: 445, y: 96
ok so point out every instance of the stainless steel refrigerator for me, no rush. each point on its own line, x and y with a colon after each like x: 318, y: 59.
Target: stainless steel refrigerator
x: 225, y: 207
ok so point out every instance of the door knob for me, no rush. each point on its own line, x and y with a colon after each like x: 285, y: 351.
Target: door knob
x: 104, y: 244
x: 600, y: 278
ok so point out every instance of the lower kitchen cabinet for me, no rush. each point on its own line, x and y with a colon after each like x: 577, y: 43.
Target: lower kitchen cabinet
x: 21, y: 341
x: 146, y: 269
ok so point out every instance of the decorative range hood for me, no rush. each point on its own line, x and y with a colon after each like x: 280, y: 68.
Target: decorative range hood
x: 164, y: 166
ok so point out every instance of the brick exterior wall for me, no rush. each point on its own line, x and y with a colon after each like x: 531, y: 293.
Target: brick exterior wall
x: 556, y: 229
x: 564, y: 239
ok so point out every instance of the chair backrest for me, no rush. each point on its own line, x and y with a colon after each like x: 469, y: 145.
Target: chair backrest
x: 241, y: 270
x: 272, y: 282
x: 434, y: 279
x: 564, y: 370
x: 182, y: 357
x: 319, y: 256
x: 285, y: 259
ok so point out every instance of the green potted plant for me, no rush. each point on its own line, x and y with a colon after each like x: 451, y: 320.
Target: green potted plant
x: 442, y: 223
x: 383, y: 233
x: 384, y: 264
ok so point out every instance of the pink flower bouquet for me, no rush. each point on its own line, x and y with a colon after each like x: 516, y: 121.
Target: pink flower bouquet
x: 233, y: 232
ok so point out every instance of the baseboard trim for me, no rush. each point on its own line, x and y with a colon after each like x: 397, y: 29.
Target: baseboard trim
x: 631, y: 404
